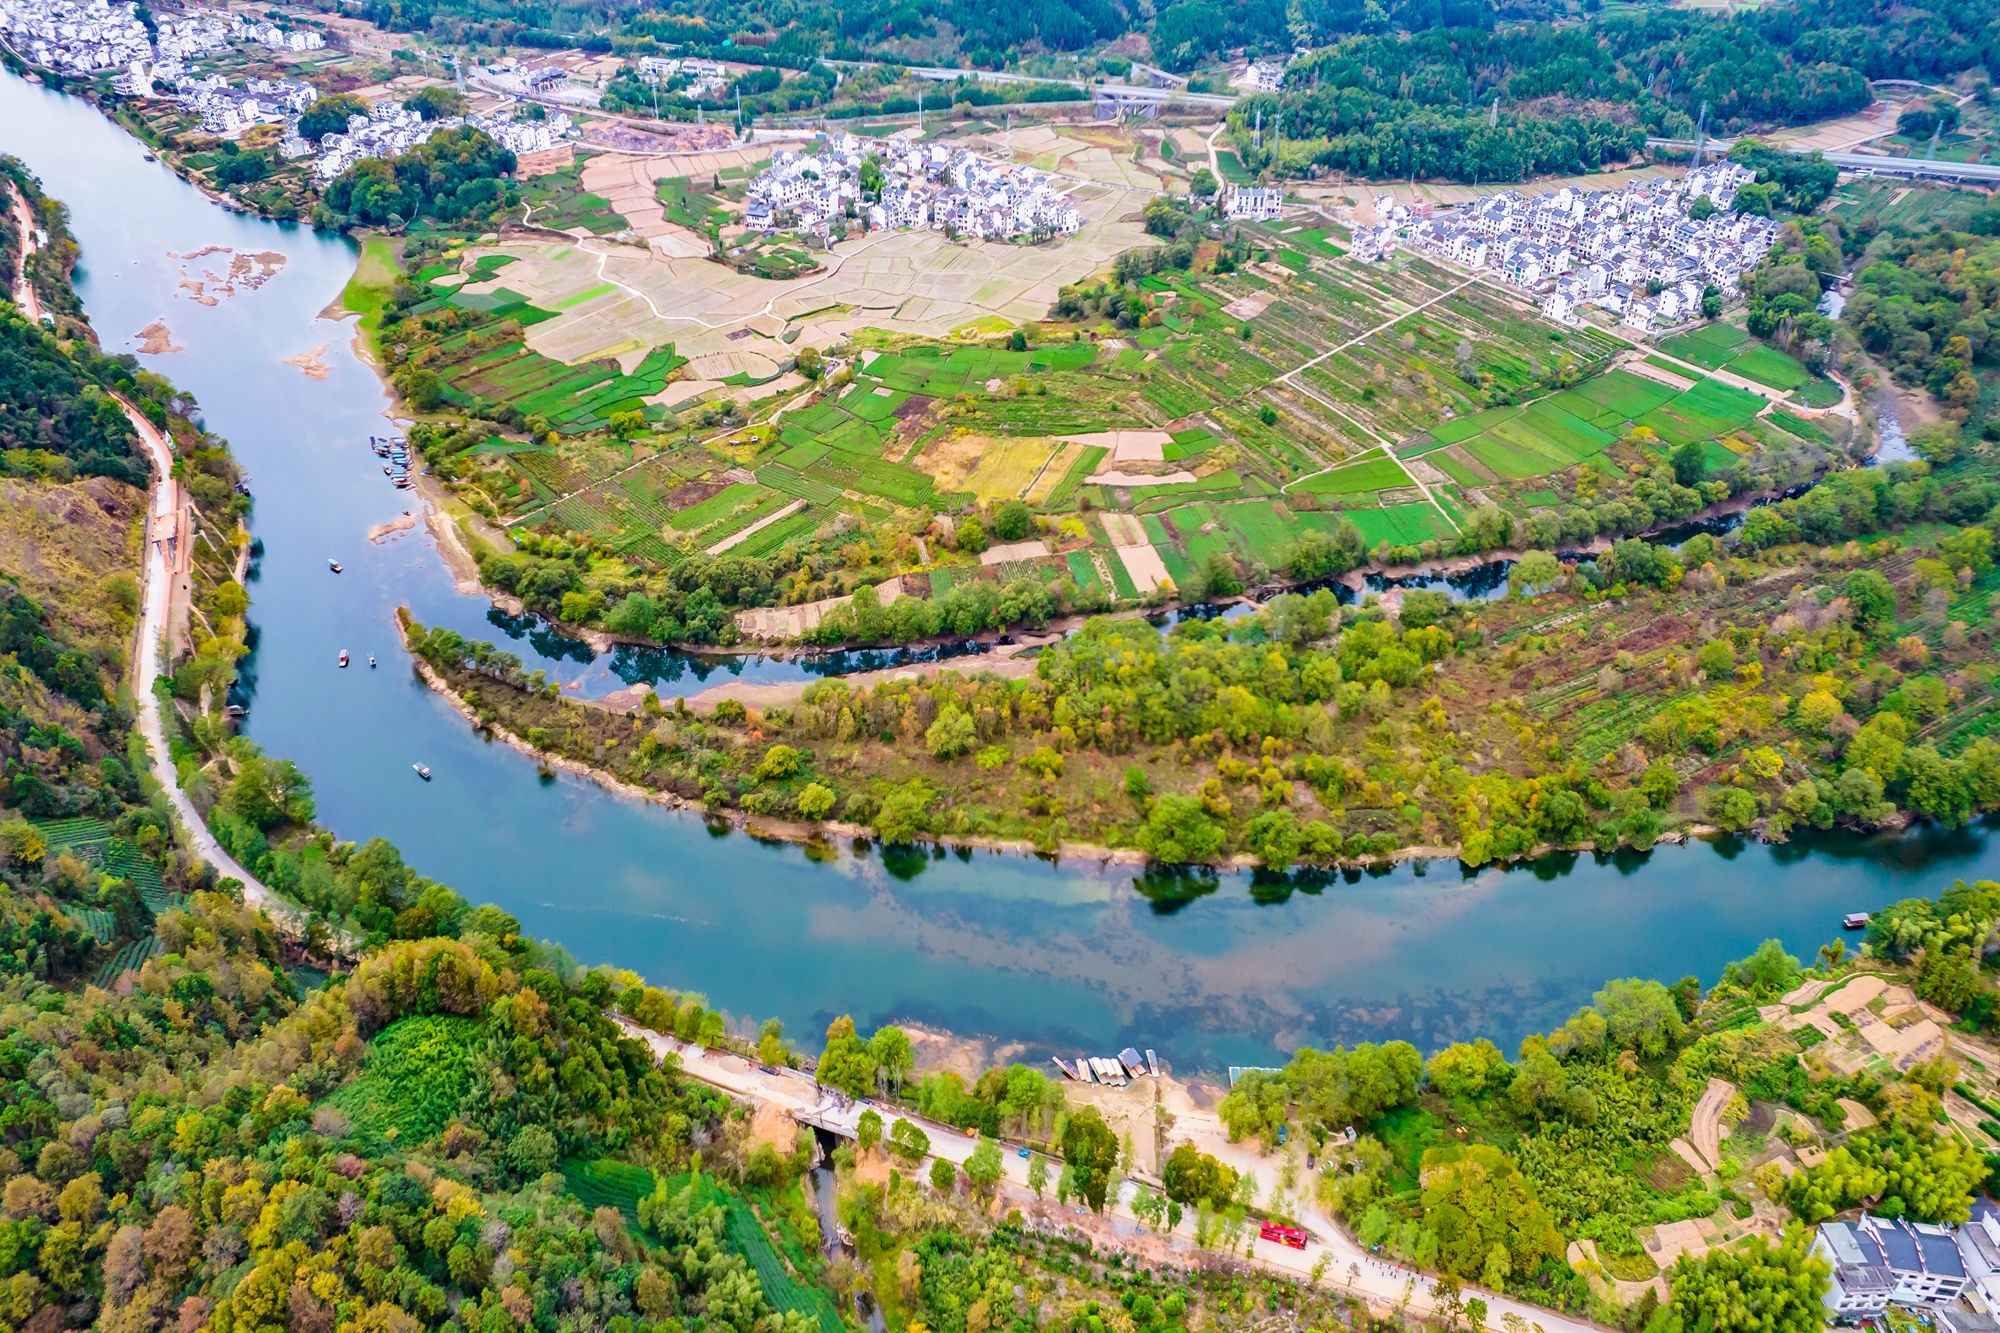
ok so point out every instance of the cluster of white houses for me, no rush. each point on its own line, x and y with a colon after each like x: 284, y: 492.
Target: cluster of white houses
x: 1638, y: 252
x: 1880, y: 1262
x: 95, y: 35
x: 391, y: 128
x: 705, y: 78
x: 925, y: 187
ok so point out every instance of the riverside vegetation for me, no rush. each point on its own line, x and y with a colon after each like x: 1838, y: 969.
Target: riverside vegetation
x: 1826, y: 664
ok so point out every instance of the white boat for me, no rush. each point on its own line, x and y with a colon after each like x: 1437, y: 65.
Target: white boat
x: 333, y: 564
x: 423, y: 771
x: 343, y: 657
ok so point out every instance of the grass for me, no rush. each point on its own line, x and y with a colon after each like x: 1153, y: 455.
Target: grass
x: 418, y: 1072
x: 367, y: 291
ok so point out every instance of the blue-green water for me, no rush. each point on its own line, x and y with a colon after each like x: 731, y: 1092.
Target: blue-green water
x: 1064, y: 958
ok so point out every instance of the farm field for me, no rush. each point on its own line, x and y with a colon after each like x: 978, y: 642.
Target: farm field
x: 1232, y: 409
x: 1726, y: 347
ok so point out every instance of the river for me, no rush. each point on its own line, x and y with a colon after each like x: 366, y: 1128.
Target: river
x: 1063, y: 958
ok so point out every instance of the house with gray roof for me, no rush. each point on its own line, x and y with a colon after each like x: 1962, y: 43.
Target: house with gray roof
x: 1880, y: 1261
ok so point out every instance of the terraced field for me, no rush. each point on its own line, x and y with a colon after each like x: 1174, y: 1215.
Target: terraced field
x: 1242, y: 408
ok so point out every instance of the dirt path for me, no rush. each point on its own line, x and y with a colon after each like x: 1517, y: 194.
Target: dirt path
x: 24, y: 290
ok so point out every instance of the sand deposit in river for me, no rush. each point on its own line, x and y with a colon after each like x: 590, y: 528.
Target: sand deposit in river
x: 156, y: 339
x: 312, y: 364
x: 208, y: 283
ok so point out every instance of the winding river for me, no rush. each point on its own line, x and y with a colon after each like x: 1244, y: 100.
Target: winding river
x: 1048, y: 957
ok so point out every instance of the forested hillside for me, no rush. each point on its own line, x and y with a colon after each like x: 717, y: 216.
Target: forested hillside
x: 1573, y: 97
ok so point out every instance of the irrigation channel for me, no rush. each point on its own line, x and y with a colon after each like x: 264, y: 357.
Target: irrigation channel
x: 1047, y: 957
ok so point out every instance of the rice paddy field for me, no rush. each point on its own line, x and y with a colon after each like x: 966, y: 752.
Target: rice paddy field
x: 1252, y: 404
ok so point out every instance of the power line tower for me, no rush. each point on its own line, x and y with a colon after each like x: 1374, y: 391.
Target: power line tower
x: 1701, y: 133
x: 1257, y: 136
x: 1493, y: 116
x: 1930, y: 153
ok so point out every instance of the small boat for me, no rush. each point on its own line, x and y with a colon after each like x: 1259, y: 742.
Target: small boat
x: 149, y: 157
x: 1854, y: 921
x: 333, y: 565
x: 371, y: 661
x: 343, y: 657
x: 423, y: 771
x: 387, y: 473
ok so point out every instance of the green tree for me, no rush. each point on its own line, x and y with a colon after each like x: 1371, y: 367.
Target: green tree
x: 983, y: 1168
x: 1772, y: 1288
x: 1090, y: 1150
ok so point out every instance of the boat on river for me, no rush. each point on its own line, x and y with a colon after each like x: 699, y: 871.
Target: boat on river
x: 371, y: 661
x: 423, y: 771
x: 343, y: 658
x: 1854, y: 921
x: 333, y: 565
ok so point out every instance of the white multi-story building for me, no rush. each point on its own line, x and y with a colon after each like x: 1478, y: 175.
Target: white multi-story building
x: 1255, y: 203
x: 1878, y: 1262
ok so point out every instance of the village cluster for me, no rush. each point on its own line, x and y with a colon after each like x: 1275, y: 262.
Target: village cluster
x: 1637, y: 252
x: 94, y: 36
x: 925, y: 187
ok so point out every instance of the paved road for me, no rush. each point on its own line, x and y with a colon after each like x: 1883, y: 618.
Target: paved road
x: 1349, y: 1267
x: 1984, y: 173
x: 164, y: 499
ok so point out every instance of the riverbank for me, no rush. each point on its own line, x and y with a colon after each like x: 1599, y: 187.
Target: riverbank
x: 823, y: 832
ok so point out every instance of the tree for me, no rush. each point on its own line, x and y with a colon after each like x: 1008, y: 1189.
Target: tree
x: 1639, y: 1016
x: 868, y: 1128
x: 1202, y: 184
x: 1533, y: 572
x: 1038, y: 1174
x: 943, y: 1175
x: 908, y: 1142
x: 1192, y: 1176
x: 952, y: 734
x: 1690, y: 463
x: 984, y: 1166
x: 1091, y: 1151
x: 1775, y: 1289
x: 328, y: 115
x: 1013, y: 521
x: 1467, y: 1069
x: 893, y: 1055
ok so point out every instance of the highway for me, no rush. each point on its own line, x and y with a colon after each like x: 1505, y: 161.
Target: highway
x: 1914, y: 168
x: 1347, y: 1265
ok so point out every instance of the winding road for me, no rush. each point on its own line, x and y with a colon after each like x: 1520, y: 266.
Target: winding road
x: 1349, y: 1267
x: 164, y: 575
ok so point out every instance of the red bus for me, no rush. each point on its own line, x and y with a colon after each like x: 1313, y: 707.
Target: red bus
x: 1280, y: 1235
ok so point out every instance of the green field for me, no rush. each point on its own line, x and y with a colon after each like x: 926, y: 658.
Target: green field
x: 418, y: 1072
x: 1726, y: 347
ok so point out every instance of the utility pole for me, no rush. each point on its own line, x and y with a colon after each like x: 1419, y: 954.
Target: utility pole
x: 920, y: 112
x: 1493, y: 116
x: 1257, y: 138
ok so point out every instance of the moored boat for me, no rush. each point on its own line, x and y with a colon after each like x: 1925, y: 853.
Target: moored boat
x: 343, y: 657
x: 333, y: 565
x: 423, y: 771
